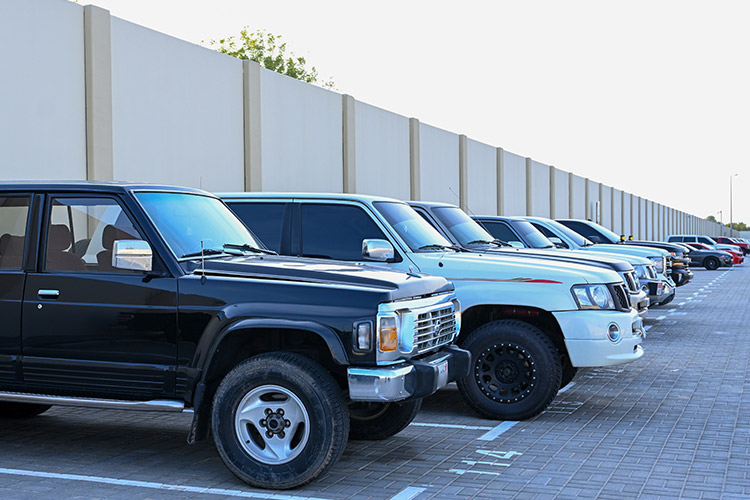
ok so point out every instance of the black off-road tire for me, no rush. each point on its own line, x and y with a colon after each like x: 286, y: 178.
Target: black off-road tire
x: 711, y: 263
x: 312, y: 389
x: 515, y: 370
x: 21, y: 410
x: 375, y: 421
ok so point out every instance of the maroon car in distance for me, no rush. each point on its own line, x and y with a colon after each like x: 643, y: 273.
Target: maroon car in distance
x: 725, y: 240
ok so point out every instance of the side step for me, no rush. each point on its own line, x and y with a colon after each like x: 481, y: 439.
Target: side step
x: 116, y: 404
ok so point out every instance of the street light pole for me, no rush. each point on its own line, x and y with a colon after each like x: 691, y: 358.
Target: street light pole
x: 731, y: 228
x: 721, y: 222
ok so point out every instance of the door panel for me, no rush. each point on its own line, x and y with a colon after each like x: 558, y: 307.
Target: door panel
x: 89, y: 328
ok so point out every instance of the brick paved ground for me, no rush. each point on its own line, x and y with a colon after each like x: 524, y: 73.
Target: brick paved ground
x: 675, y: 424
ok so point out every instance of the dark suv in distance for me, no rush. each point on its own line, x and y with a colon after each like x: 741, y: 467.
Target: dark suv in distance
x: 158, y: 298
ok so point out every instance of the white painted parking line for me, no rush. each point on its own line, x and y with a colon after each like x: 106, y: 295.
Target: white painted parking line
x: 154, y: 486
x: 681, y: 304
x: 660, y: 318
x: 452, y: 426
x: 408, y: 493
x: 647, y: 328
x: 497, y: 430
x: 464, y: 471
x: 571, y: 384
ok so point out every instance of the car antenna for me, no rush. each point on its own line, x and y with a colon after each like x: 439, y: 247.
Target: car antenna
x: 203, y: 266
x: 468, y: 209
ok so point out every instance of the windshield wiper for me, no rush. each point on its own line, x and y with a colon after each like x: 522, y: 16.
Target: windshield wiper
x: 435, y: 246
x: 497, y: 242
x: 205, y: 252
x: 249, y: 248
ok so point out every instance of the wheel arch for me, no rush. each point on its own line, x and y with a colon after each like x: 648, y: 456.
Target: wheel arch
x: 244, y: 338
x: 478, y: 315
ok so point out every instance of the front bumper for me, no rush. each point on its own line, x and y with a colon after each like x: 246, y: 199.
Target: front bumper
x: 412, y: 379
x: 586, y: 339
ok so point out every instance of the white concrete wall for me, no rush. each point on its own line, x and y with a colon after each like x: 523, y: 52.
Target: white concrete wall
x: 561, y: 206
x: 538, y: 189
x: 605, y: 197
x: 481, y: 178
x: 301, y: 133
x: 176, y: 111
x: 617, y: 225
x: 381, y: 152
x: 438, y: 164
x: 577, y: 197
x: 42, y: 90
x: 513, y: 185
x: 177, y: 117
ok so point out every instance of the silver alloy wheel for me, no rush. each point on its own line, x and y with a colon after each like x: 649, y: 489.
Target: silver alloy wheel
x: 272, y: 424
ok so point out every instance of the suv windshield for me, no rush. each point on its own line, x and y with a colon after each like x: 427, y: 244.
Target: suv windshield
x: 185, y: 220
x: 532, y: 235
x: 577, y: 238
x: 611, y: 236
x: 461, y: 226
x: 417, y: 233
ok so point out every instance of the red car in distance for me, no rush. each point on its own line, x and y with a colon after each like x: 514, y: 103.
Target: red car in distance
x: 725, y: 240
x: 737, y: 257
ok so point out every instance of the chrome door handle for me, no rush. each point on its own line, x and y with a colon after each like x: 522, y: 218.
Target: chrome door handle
x: 48, y: 294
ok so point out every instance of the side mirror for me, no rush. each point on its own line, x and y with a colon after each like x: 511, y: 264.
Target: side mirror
x: 378, y: 250
x: 557, y: 242
x: 132, y: 255
x: 516, y: 244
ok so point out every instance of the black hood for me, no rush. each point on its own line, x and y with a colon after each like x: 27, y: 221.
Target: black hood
x: 397, y: 284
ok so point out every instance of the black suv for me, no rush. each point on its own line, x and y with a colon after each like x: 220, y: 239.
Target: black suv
x: 158, y: 298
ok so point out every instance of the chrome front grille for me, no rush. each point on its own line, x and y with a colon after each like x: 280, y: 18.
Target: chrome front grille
x: 434, y: 328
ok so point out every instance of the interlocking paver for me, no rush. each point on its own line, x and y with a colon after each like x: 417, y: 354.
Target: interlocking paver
x: 672, y: 425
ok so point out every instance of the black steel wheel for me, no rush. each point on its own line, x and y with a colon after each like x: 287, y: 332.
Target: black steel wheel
x: 516, y: 370
x: 711, y: 263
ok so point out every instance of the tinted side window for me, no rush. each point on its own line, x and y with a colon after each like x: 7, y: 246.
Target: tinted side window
x: 501, y: 231
x: 266, y: 220
x: 14, y: 212
x: 582, y: 229
x: 690, y: 239
x: 336, y: 231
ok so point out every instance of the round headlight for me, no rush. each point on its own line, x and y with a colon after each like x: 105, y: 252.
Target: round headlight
x: 613, y: 332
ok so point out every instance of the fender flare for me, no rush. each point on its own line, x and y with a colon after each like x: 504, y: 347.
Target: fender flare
x: 204, y: 356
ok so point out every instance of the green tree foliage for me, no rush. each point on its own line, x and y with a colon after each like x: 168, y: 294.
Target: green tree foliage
x: 711, y: 218
x: 739, y: 226
x: 267, y: 50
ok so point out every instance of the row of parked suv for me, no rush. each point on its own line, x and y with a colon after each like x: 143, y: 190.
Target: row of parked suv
x: 289, y: 323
